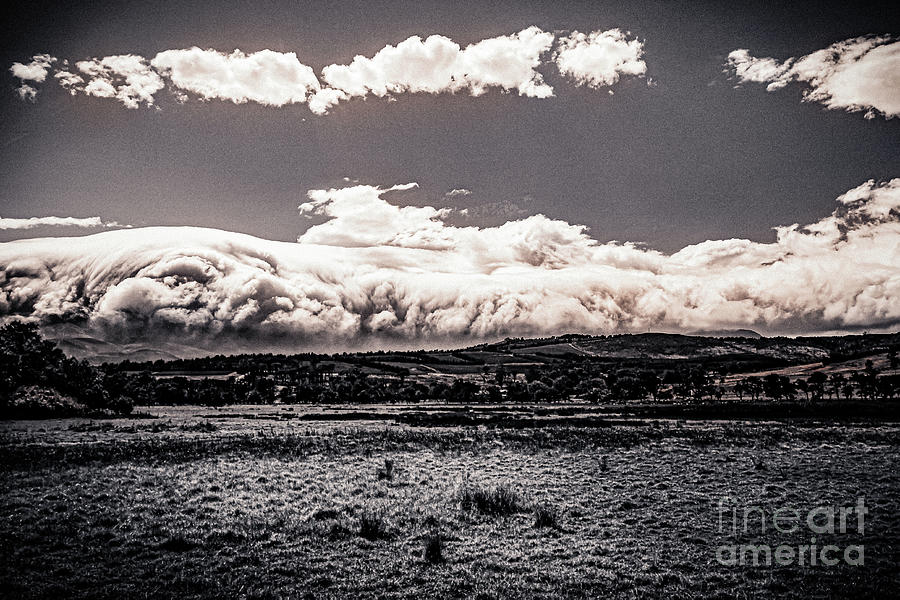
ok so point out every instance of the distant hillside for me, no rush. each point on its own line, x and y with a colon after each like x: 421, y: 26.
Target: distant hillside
x: 729, y: 333
x: 657, y: 351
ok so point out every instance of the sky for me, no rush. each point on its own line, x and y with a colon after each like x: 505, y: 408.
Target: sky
x: 577, y: 166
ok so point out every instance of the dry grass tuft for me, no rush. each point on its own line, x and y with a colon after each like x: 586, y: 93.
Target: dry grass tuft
x: 373, y: 525
x: 386, y: 472
x: 494, y: 501
x: 546, y: 516
x: 434, y: 548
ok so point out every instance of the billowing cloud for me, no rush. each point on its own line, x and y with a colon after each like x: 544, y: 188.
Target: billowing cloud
x: 599, y: 58
x: 438, y: 64
x: 32, y: 222
x: 433, y: 65
x: 374, y: 271
x: 860, y: 74
x: 266, y: 77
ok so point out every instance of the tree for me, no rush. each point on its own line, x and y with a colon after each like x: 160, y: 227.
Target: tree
x: 754, y: 387
x: 27, y: 359
x: 837, y: 382
x: 777, y: 387
x: 803, y: 386
x: 816, y: 384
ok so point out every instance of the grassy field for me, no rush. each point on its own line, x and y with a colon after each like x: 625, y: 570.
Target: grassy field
x: 258, y: 502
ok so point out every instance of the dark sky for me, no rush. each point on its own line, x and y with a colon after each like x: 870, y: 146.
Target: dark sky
x: 686, y: 160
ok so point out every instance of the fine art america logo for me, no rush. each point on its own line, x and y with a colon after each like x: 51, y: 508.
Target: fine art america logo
x: 822, y: 525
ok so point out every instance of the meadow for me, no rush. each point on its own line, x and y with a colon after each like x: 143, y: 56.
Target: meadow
x: 287, y: 502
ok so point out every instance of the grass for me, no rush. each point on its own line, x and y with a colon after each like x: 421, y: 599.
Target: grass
x: 496, y: 501
x: 261, y: 508
x: 546, y: 516
x: 373, y: 525
x: 434, y: 548
x: 387, y: 471
x: 186, y: 443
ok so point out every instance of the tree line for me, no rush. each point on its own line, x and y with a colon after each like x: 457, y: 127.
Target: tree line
x: 30, y: 364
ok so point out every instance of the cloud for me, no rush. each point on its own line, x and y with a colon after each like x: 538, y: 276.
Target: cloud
x: 438, y: 64
x: 126, y: 77
x: 375, y: 272
x: 35, y: 72
x: 599, y: 58
x: 26, y: 92
x: 457, y: 192
x: 32, y: 222
x: 860, y: 74
x: 267, y: 77
x: 433, y: 65
x: 69, y: 81
x: 500, y: 209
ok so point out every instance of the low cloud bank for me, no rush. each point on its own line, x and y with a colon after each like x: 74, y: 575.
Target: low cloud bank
x: 33, y: 222
x: 378, y: 273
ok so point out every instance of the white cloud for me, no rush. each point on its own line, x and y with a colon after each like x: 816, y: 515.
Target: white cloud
x: 438, y: 64
x: 433, y: 65
x: 599, y: 58
x: 126, y: 77
x: 324, y: 99
x: 36, y: 70
x: 456, y: 192
x: 32, y: 222
x: 70, y: 81
x: 861, y: 74
x: 26, y: 92
x: 33, y: 72
x: 378, y: 272
x: 267, y: 77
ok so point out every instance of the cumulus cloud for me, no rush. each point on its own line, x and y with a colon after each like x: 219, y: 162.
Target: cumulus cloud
x: 26, y: 92
x: 266, y: 77
x: 457, y: 192
x: 438, y: 64
x: 375, y: 271
x: 34, y: 72
x: 599, y: 58
x: 69, y: 81
x: 432, y: 65
x: 126, y: 77
x: 860, y: 74
x: 32, y: 222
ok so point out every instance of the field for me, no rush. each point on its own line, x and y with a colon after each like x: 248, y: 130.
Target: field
x: 285, y: 502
